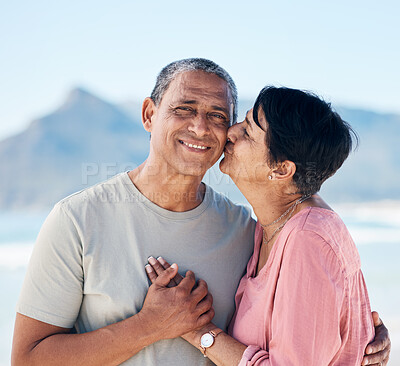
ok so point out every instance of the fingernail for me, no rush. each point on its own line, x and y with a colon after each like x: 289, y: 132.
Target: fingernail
x: 148, y: 268
x: 158, y: 258
x: 151, y: 260
x: 174, y: 265
x: 368, y: 351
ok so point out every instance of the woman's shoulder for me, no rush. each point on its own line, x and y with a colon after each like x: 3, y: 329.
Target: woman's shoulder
x: 322, y: 233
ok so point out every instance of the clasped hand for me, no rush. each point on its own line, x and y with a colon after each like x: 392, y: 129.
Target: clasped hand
x: 175, y: 305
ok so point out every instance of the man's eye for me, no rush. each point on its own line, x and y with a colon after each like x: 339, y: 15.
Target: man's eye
x: 218, y: 117
x: 183, y: 110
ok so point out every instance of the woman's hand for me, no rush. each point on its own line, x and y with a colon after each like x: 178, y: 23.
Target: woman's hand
x: 378, y: 351
x: 157, y: 266
x: 175, y: 311
x: 154, y: 269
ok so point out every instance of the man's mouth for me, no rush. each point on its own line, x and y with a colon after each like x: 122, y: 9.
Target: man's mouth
x: 194, y: 146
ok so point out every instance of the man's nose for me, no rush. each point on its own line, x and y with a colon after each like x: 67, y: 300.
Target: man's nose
x: 200, y: 125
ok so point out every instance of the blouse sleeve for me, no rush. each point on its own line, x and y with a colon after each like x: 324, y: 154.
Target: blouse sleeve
x: 309, y: 295
x: 254, y: 355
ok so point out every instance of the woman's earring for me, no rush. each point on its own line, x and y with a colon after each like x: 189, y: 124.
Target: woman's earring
x: 270, y: 177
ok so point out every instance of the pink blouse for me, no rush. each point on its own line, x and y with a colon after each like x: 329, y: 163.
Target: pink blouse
x: 309, y: 303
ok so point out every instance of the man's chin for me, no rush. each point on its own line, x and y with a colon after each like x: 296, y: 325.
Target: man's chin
x: 192, y: 170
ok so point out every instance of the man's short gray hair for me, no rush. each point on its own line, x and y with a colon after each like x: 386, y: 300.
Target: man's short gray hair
x: 171, y: 71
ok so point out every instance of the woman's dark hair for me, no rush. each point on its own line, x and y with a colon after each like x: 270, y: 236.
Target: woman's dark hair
x: 304, y: 129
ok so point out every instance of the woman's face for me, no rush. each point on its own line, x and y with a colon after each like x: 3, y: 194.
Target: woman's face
x: 245, y: 153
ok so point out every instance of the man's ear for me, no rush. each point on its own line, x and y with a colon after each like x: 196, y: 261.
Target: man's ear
x: 284, y: 170
x: 148, y: 111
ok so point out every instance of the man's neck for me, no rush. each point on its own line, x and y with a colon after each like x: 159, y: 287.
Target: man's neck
x: 173, y: 192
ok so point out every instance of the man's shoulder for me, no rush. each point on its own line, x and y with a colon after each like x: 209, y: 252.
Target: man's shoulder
x: 108, y: 191
x: 227, y: 207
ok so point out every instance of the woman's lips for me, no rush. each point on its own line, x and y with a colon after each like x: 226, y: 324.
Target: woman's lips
x: 228, y: 149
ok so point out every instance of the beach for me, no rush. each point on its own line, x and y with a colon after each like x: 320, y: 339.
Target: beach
x: 375, y: 228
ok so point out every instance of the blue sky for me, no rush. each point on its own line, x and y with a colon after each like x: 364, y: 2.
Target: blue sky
x: 346, y: 51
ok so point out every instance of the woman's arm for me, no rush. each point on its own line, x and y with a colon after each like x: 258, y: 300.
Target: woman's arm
x: 227, y: 351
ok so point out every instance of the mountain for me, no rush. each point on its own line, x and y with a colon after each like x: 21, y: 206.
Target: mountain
x: 88, y: 139
x: 372, y: 172
x: 84, y: 141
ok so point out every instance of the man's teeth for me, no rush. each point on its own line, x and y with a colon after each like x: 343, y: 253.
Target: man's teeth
x: 195, y: 146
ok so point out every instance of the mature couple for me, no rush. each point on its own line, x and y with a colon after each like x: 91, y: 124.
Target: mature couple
x: 303, y: 301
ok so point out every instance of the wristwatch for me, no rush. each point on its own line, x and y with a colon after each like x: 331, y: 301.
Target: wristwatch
x: 207, y: 340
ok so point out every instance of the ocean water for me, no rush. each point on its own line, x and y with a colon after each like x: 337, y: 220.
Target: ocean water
x: 375, y: 228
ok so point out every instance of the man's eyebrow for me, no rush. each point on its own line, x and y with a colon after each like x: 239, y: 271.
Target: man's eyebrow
x: 184, y: 101
x: 220, y: 109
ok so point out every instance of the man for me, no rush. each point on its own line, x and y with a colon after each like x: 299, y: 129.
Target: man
x: 87, y: 269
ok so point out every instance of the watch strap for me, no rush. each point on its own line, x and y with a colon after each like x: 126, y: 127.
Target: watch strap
x: 214, y: 334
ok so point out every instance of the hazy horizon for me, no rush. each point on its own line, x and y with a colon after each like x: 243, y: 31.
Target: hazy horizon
x: 343, y: 51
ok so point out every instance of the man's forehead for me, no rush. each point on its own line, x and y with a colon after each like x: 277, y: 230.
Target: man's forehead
x: 199, y: 85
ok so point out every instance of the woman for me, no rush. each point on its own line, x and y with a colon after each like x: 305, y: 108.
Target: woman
x: 303, y: 300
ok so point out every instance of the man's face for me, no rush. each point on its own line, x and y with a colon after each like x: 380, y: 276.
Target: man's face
x: 188, y: 127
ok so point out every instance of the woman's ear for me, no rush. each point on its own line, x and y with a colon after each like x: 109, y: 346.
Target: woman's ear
x: 148, y: 110
x: 284, y: 170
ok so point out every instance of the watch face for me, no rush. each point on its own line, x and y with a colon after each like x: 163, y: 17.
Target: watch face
x: 207, y: 340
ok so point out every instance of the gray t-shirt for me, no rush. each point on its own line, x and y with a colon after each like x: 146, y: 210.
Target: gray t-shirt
x: 87, y: 267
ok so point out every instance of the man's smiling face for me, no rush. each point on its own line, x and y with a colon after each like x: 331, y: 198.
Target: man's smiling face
x: 188, y: 127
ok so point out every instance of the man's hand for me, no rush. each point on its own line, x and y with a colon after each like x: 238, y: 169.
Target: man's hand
x: 173, y: 311
x: 378, y: 351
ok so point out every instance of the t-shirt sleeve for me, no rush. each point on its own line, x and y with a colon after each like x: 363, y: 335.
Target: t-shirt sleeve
x: 53, y: 287
x: 307, y: 306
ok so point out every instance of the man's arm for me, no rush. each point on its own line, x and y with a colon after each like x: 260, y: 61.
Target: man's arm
x: 38, y: 343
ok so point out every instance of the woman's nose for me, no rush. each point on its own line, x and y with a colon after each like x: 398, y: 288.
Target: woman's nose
x: 233, y: 132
